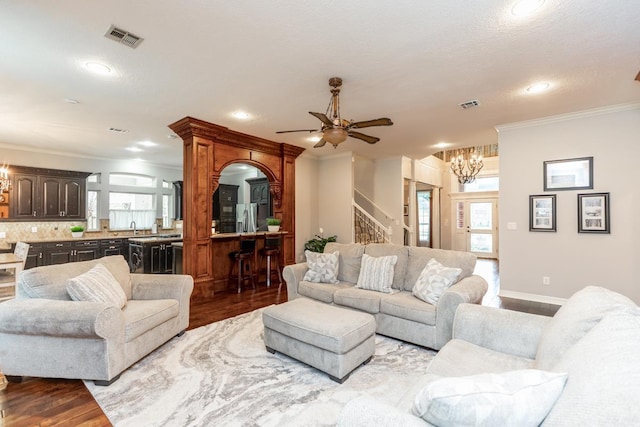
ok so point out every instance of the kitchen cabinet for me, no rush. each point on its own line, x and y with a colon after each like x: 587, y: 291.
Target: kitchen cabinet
x: 65, y: 252
x: 225, y: 199
x: 35, y: 256
x: 151, y: 255
x: 110, y: 247
x: 45, y: 194
x: 4, y: 204
x: 260, y: 194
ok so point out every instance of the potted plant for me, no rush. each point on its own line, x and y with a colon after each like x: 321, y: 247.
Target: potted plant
x: 77, y: 231
x: 273, y: 224
x: 318, y: 243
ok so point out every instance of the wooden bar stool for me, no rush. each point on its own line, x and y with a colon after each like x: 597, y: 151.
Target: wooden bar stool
x: 270, y: 250
x: 243, y: 260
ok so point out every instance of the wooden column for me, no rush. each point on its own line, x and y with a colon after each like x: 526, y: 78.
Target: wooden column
x: 208, y: 149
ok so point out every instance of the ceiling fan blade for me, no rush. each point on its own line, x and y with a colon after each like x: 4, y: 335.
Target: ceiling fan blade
x: 368, y: 123
x: 320, y: 143
x: 362, y: 136
x: 322, y: 117
x: 299, y: 130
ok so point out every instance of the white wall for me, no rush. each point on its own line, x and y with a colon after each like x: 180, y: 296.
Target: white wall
x: 335, y: 176
x: 389, y: 193
x: 572, y: 260
x: 307, y: 211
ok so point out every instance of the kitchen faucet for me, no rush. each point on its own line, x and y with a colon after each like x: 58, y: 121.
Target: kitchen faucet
x: 133, y: 225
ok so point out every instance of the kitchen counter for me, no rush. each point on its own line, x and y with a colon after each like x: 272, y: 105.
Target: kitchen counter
x: 152, y: 239
x: 237, y: 235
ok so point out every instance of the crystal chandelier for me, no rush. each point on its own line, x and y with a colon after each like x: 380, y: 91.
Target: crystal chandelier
x: 466, y: 164
x: 5, y: 183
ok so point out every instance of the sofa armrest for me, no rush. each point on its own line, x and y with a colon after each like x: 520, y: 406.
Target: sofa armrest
x: 498, y: 329
x: 367, y: 412
x: 164, y: 286
x: 55, y: 318
x: 293, y: 275
x: 471, y: 289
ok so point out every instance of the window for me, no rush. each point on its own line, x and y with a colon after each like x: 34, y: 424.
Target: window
x: 482, y: 183
x: 125, y: 208
x: 92, y: 210
x: 131, y: 180
x: 94, y: 178
x: 166, y: 184
x: 166, y: 203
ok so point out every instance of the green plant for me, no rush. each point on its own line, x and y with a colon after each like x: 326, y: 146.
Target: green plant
x: 318, y: 243
x: 77, y: 228
x: 273, y: 221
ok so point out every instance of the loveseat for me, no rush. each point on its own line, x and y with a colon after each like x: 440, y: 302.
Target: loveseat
x: 398, y: 313
x: 585, y: 359
x: 44, y: 333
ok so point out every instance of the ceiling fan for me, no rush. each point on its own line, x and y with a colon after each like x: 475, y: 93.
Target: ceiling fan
x: 335, y: 129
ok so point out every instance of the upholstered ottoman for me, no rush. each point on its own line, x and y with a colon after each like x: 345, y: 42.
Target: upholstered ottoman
x: 332, y: 339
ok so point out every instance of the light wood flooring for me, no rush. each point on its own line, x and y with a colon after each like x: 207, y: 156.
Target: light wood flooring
x: 55, y: 402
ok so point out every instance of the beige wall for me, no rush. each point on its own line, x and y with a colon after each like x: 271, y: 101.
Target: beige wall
x: 335, y: 177
x: 307, y: 211
x: 571, y: 260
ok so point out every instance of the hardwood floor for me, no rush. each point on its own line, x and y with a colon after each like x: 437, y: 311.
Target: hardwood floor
x: 52, y: 402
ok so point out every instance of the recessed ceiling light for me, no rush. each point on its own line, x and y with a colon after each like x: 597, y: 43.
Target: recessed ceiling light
x: 442, y: 144
x: 71, y: 101
x: 526, y: 7
x: 241, y: 115
x: 538, y: 87
x: 98, y: 68
x: 314, y: 138
x: 147, y: 143
x: 134, y: 149
x: 171, y: 136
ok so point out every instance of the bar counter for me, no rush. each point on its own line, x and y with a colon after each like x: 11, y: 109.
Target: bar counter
x: 225, y: 243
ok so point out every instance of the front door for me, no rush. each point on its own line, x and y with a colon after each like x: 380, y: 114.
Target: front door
x: 476, y: 226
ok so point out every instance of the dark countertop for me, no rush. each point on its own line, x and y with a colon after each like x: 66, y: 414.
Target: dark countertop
x: 161, y: 238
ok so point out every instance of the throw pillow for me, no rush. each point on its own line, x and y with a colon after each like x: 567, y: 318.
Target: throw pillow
x: 376, y: 273
x: 97, y: 285
x: 434, y: 280
x: 322, y: 267
x: 515, y: 398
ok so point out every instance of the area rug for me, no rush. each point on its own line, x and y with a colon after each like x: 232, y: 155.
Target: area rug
x: 221, y: 375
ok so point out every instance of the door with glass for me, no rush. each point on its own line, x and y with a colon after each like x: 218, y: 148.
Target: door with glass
x: 476, y: 227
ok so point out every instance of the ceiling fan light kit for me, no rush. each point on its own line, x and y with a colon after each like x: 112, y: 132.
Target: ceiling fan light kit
x: 334, y: 129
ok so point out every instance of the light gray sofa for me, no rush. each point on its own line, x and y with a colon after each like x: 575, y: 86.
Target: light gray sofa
x: 43, y: 333
x: 594, y: 338
x: 400, y: 314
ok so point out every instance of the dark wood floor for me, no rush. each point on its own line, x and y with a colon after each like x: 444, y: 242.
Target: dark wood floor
x: 52, y: 402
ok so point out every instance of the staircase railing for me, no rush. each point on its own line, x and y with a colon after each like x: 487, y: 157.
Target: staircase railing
x: 367, y: 229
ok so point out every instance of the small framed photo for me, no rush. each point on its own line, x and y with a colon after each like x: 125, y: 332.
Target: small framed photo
x: 542, y: 212
x: 593, y: 213
x: 568, y: 174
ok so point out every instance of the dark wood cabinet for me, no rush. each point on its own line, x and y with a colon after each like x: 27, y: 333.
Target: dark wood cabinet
x: 110, y: 247
x: 225, y: 199
x: 64, y: 252
x: 46, y: 194
x: 260, y: 194
x: 151, y: 257
x: 35, y: 257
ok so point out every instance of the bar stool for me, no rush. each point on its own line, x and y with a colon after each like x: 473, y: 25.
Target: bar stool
x: 272, y: 249
x: 242, y: 259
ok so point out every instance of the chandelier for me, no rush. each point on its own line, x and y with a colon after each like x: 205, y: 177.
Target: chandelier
x: 5, y: 183
x: 466, y: 164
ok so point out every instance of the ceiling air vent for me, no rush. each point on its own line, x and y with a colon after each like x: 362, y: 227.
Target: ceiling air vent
x: 123, y: 37
x: 469, y: 104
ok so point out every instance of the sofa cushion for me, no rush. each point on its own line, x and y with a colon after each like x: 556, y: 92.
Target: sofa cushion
x: 321, y: 291
x: 51, y: 281
x: 582, y: 311
x: 406, y: 306
x: 360, y: 299
x: 97, y: 285
x: 419, y: 257
x: 517, y: 398
x: 376, y: 273
x: 322, y: 267
x: 349, y: 259
x: 604, y: 373
x: 386, y: 249
x: 141, y: 316
x: 434, y: 280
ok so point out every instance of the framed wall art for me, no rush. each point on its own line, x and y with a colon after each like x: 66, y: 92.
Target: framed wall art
x: 593, y: 213
x: 568, y: 174
x: 542, y: 212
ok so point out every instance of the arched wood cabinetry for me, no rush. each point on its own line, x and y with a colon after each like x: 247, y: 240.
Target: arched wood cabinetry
x: 208, y: 149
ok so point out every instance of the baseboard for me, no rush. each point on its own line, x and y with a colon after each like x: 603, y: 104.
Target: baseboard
x: 533, y: 297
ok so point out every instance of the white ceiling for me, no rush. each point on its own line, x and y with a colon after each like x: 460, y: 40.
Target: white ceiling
x: 411, y: 60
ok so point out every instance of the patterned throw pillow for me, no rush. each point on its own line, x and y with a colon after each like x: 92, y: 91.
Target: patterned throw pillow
x: 97, y: 285
x: 322, y: 267
x: 376, y: 273
x: 434, y: 280
x: 515, y: 398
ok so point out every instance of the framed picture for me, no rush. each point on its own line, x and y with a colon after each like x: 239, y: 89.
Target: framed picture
x: 568, y: 174
x: 542, y: 212
x: 593, y: 213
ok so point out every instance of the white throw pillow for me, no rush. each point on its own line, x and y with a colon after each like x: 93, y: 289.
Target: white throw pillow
x: 434, y: 280
x: 97, y: 285
x: 376, y: 273
x: 515, y: 398
x: 322, y: 267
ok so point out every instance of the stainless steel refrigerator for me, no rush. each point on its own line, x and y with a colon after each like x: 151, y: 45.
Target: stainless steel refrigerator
x: 246, y: 217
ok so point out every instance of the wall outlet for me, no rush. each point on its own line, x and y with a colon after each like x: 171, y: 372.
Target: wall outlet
x: 3, y: 234
x: 546, y: 280
x: 512, y: 226
x: 179, y: 225
x: 34, y: 229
